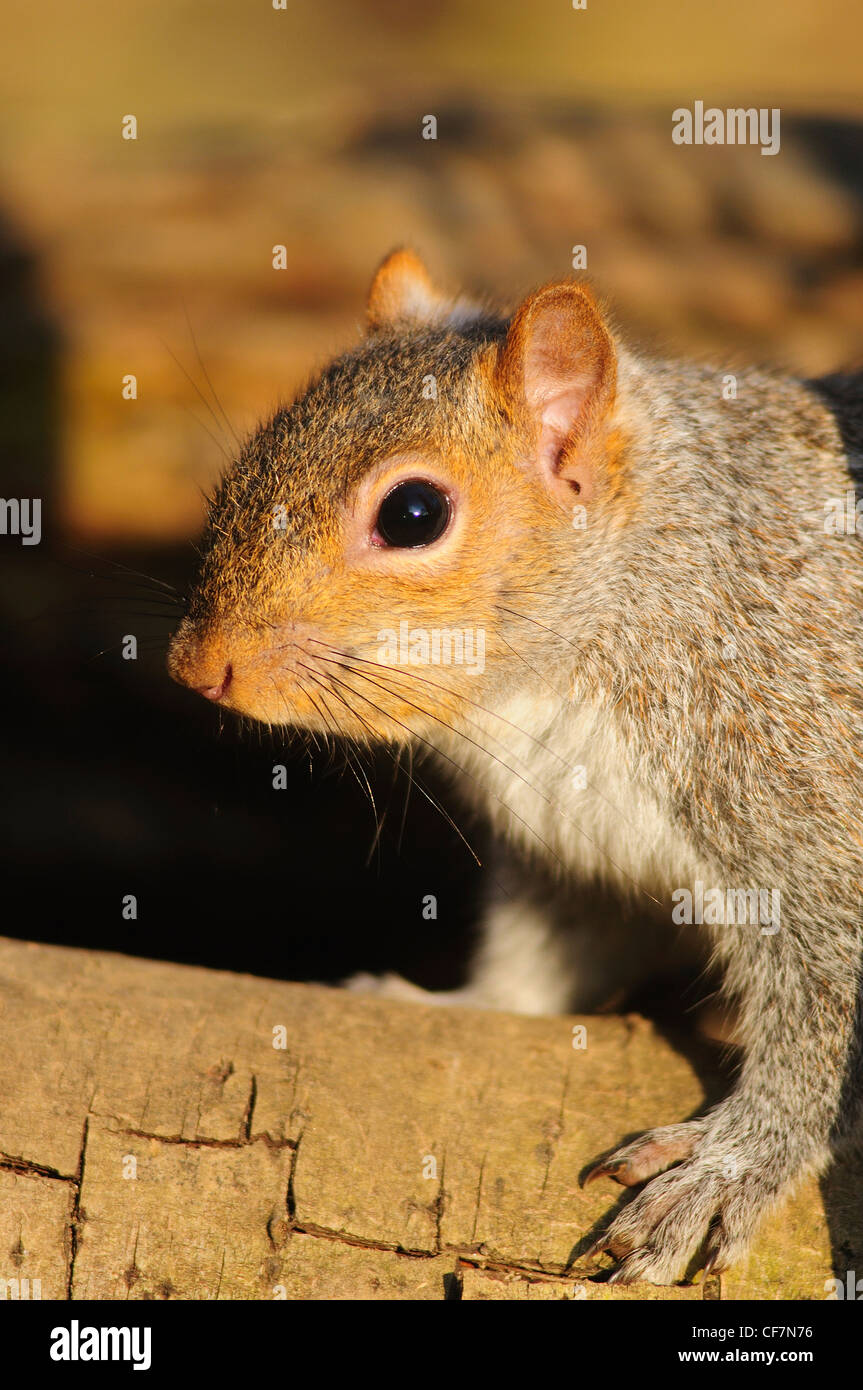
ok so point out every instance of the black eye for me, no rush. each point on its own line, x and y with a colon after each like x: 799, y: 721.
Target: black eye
x: 414, y: 513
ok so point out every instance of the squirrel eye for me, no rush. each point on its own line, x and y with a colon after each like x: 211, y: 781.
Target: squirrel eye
x: 414, y: 513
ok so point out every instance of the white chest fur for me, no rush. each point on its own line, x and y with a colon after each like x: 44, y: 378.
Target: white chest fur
x: 556, y: 778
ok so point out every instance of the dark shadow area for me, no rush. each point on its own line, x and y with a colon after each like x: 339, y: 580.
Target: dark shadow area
x: 835, y: 146
x: 842, y: 393
x: 840, y: 1192
x: 119, y: 782
x: 116, y: 782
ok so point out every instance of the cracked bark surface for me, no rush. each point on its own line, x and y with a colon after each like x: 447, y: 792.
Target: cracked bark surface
x: 154, y: 1143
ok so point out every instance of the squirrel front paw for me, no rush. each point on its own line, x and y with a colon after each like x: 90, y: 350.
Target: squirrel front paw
x: 388, y: 986
x: 391, y: 986
x: 713, y: 1198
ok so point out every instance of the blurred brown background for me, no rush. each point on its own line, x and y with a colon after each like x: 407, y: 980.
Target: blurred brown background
x: 259, y: 126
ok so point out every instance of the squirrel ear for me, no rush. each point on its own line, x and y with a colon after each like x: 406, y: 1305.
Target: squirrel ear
x: 558, y: 361
x: 402, y: 294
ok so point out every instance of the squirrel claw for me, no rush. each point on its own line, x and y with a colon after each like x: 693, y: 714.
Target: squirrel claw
x: 648, y: 1155
x: 608, y: 1169
x: 597, y: 1248
x: 624, y: 1273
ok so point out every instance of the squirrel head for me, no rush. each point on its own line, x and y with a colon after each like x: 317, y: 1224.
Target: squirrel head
x: 364, y: 556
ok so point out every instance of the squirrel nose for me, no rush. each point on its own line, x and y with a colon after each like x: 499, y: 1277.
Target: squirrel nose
x: 216, y: 692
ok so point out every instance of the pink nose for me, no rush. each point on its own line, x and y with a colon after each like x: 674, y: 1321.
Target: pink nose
x: 216, y: 692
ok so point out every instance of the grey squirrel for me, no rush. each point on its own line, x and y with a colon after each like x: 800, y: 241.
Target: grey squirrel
x: 661, y: 577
